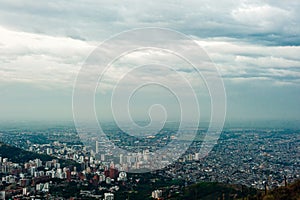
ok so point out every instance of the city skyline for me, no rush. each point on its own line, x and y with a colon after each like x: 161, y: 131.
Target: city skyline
x: 164, y: 100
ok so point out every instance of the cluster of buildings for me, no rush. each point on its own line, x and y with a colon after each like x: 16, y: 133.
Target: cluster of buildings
x: 26, y: 180
x: 33, y: 179
x: 256, y: 158
x: 252, y: 157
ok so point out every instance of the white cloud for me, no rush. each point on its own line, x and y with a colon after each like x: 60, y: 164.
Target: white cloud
x: 97, y: 20
x: 251, y: 42
x: 262, y: 17
x: 48, y: 60
x: 40, y: 59
x: 245, y: 61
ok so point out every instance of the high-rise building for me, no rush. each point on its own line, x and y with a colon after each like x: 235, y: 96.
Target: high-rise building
x: 97, y: 147
x: 113, y: 173
x: 49, y: 151
x: 38, y: 162
x: 121, y: 159
x: 109, y: 196
x: 156, y: 194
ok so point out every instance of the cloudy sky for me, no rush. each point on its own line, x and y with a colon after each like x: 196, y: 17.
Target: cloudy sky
x: 254, y: 44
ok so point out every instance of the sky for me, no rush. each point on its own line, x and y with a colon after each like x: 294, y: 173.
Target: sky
x: 255, y: 45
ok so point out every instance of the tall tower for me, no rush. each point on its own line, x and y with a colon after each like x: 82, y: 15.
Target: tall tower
x: 97, y: 147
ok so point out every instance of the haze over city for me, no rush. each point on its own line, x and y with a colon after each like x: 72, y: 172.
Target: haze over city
x: 150, y: 100
x: 254, y: 45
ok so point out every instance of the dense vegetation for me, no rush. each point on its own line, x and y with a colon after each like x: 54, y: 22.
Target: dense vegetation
x: 176, y: 189
x: 209, y: 191
x: 291, y: 192
x: 18, y: 155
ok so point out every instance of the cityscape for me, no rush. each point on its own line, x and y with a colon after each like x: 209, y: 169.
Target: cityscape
x: 261, y: 159
x: 149, y: 100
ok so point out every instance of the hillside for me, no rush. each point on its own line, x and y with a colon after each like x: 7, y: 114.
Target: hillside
x: 216, y: 191
x: 18, y: 155
x: 291, y: 192
x: 211, y: 191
